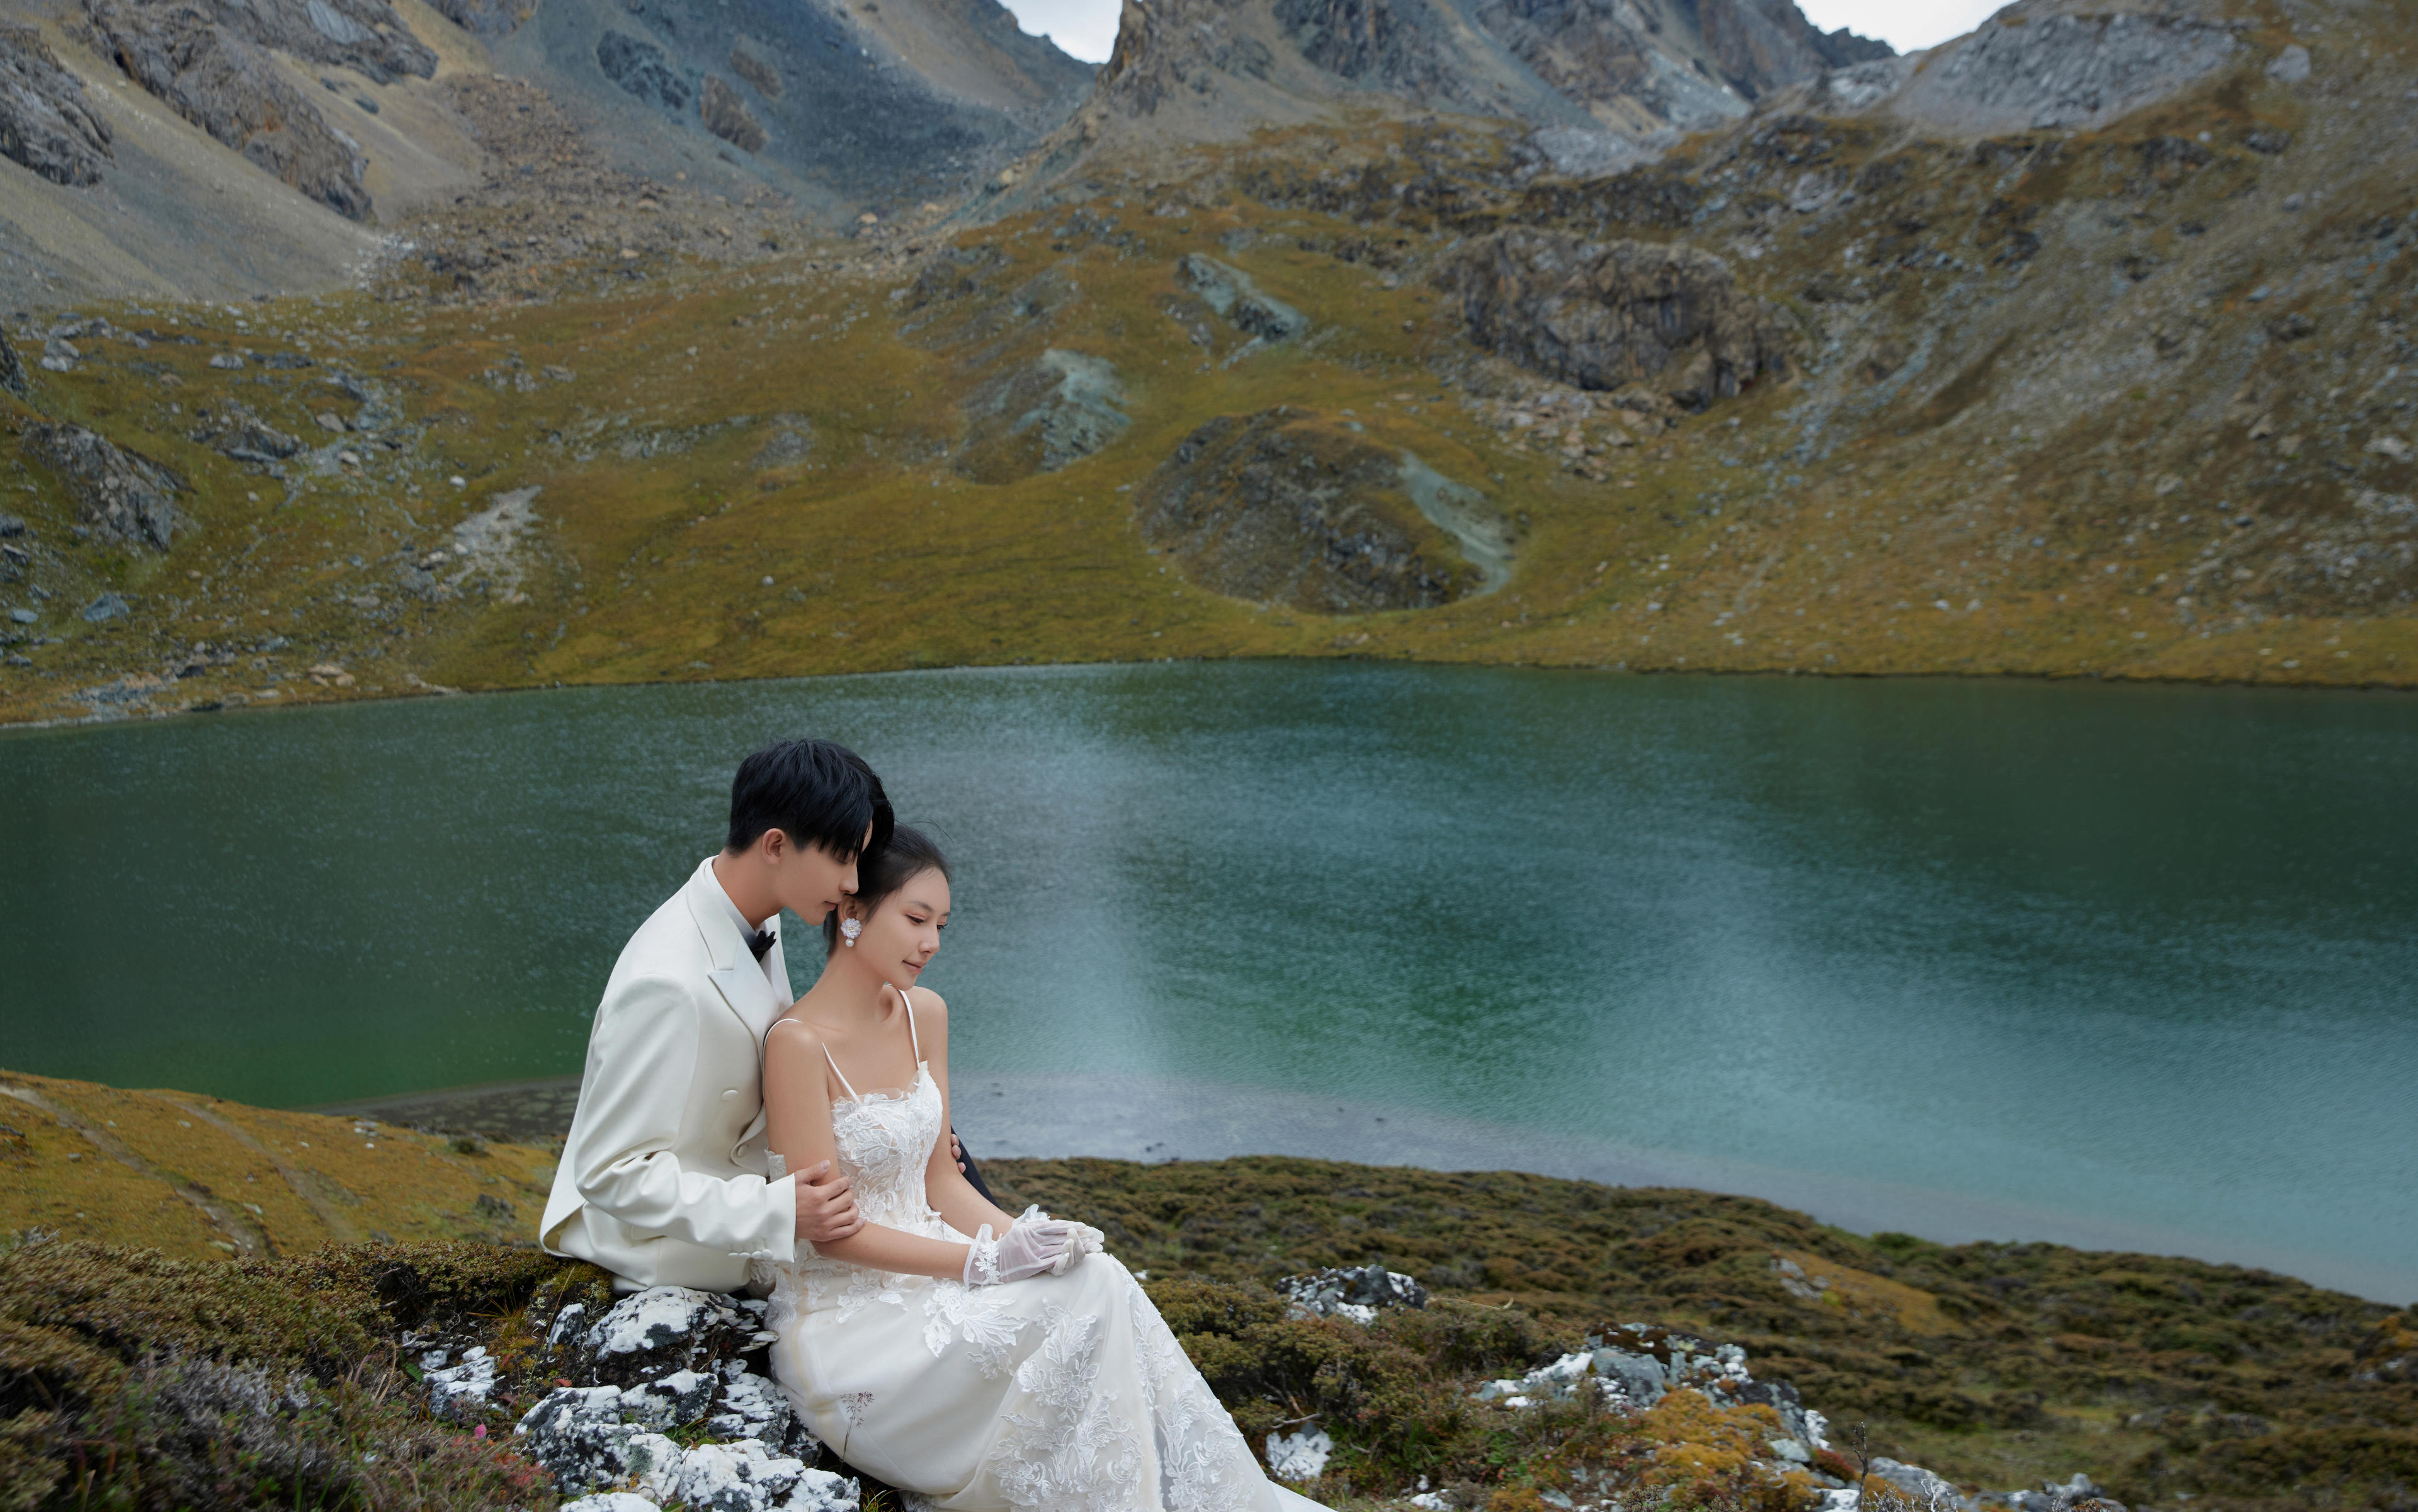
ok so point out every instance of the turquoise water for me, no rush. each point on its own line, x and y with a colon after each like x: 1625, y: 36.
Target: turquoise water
x: 2136, y: 959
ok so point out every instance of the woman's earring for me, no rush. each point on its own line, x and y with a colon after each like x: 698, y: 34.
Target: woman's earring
x: 849, y: 930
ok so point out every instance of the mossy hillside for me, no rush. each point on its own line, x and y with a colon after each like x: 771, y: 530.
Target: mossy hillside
x: 2009, y: 400
x: 1994, y: 1364
x: 196, y: 1177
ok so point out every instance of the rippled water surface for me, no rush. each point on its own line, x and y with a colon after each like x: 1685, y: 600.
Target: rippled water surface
x: 2128, y: 963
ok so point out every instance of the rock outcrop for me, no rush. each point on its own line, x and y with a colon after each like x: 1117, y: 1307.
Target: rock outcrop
x: 1042, y: 416
x: 117, y: 493
x: 726, y: 115
x: 1607, y: 315
x: 45, y: 124
x: 1292, y: 507
x: 1574, y: 63
x: 227, y: 426
x: 2061, y: 65
x: 216, y: 69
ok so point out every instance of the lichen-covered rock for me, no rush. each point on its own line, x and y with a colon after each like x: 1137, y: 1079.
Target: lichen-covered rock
x: 1605, y: 314
x: 1354, y: 1293
x: 753, y: 1407
x: 463, y: 1390
x: 676, y: 1400
x: 742, y: 1476
x: 45, y: 122
x: 1295, y: 508
x: 665, y: 1330
x: 118, y: 493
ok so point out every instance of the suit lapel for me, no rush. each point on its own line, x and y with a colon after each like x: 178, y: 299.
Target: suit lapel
x: 732, y: 969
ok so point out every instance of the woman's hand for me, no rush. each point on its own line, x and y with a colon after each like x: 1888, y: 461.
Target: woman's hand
x: 1035, y: 1243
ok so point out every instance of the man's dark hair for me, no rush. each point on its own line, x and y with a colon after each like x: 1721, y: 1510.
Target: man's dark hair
x: 816, y: 792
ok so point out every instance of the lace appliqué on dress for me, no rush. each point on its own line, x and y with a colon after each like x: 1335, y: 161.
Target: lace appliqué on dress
x: 1074, y: 1450
x: 1196, y: 1438
x: 988, y: 1328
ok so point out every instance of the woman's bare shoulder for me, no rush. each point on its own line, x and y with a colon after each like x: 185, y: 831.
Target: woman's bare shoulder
x: 931, y: 1009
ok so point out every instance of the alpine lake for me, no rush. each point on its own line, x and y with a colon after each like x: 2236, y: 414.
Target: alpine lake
x: 2126, y: 967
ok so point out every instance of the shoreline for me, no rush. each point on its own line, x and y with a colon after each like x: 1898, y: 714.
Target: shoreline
x: 1031, y: 1115
x: 334, y: 699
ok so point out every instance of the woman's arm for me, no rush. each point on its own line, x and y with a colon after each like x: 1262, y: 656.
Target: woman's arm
x: 946, y: 1186
x: 798, y: 1124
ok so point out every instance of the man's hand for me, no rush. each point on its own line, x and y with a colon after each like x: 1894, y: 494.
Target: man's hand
x: 826, y: 1208
x: 957, y: 1151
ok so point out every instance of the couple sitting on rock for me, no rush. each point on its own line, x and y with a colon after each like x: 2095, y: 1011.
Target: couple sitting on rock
x: 728, y: 1136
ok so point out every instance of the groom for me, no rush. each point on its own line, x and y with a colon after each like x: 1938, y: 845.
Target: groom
x: 662, y: 1177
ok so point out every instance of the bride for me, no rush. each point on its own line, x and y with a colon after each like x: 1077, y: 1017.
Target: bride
x: 979, y: 1361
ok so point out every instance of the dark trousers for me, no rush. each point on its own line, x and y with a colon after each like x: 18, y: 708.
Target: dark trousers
x: 975, y: 1176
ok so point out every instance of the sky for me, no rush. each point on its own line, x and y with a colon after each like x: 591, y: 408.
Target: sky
x: 1088, y: 28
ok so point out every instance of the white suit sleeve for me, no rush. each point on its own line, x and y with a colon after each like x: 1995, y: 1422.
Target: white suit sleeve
x: 638, y: 1091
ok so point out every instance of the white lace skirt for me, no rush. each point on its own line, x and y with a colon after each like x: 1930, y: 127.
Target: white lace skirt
x: 1059, y: 1393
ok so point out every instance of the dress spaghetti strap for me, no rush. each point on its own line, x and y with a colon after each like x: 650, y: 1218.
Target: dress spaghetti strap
x: 914, y: 1040
x: 837, y: 1071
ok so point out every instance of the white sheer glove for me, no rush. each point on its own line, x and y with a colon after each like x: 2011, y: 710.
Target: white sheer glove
x: 1027, y: 1250
x: 1035, y: 1245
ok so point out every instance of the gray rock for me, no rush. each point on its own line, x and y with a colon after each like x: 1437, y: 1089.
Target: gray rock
x: 1928, y: 1489
x: 1055, y: 410
x: 229, y: 428
x: 676, y: 1400
x: 117, y: 492
x: 230, y: 361
x: 1602, y: 316
x: 25, y: 617
x: 1357, y: 1293
x: 2291, y: 66
x: 665, y: 1330
x: 612, y: 1502
x: 218, y: 72
x: 107, y: 607
x: 12, y: 371
x: 1231, y: 292
x: 725, y: 115
x: 2055, y: 67
x: 1286, y: 506
x: 753, y: 1407
x: 460, y: 1391
x: 45, y: 122
x: 577, y: 1436
x: 10, y: 526
x: 743, y: 1477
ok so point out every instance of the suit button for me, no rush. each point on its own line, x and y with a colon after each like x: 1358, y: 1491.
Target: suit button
x: 730, y: 1094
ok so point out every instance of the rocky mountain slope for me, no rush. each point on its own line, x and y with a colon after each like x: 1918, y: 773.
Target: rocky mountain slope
x: 2078, y: 347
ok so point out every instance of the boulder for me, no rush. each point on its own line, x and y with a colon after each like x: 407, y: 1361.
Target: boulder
x: 1356, y: 1293
x: 227, y: 427
x: 118, y: 493
x: 662, y: 1333
x: 45, y: 122
x: 1603, y: 314
x: 743, y: 1477
x: 1295, y: 508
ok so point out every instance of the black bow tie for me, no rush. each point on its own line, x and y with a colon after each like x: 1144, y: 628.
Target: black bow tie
x: 759, y: 942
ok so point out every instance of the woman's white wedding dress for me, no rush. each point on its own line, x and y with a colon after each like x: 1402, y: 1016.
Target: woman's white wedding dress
x: 1057, y: 1393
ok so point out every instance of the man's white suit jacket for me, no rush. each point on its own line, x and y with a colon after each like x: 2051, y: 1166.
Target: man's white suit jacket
x: 663, y: 1178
